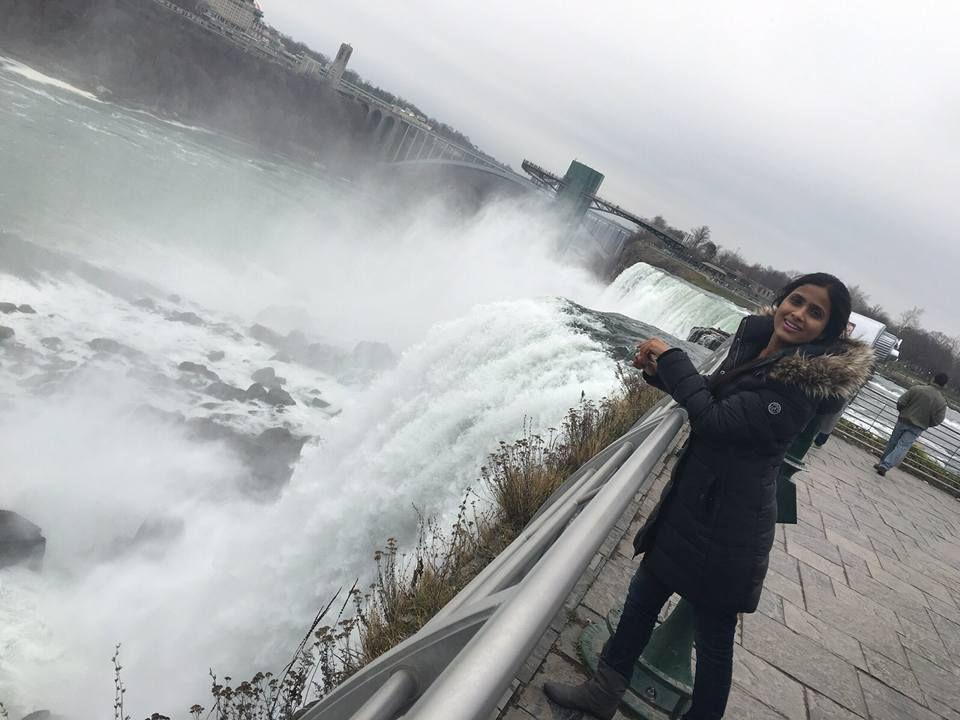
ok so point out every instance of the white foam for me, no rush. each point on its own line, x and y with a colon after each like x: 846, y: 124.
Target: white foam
x: 235, y: 592
x: 35, y: 76
x: 658, y: 298
x: 173, y: 123
x: 77, y: 312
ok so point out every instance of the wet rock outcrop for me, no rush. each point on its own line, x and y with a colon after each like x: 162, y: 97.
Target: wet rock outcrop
x: 21, y: 541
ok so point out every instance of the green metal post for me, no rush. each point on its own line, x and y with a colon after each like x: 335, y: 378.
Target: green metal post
x: 792, y: 464
x: 662, y: 681
x: 804, y: 441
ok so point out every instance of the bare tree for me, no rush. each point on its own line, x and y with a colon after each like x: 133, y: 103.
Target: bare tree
x: 698, y: 236
x: 947, y: 341
x: 659, y: 222
x: 878, y: 313
x: 708, y: 251
x: 731, y: 259
x: 910, y: 318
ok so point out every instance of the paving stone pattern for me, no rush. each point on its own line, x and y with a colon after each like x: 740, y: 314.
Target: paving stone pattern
x: 860, y: 615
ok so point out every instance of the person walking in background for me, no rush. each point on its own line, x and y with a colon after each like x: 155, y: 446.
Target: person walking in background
x: 921, y: 407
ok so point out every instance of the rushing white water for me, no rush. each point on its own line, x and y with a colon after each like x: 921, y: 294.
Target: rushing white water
x: 642, y: 291
x: 472, y: 305
x: 237, y: 586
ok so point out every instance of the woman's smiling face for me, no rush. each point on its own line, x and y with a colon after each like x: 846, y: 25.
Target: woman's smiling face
x: 802, y: 316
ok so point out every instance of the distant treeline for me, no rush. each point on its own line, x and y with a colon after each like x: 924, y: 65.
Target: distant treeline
x: 926, y: 352
x: 923, y: 353
x: 148, y: 56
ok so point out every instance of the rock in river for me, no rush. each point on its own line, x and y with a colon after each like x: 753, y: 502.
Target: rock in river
x: 256, y: 392
x: 268, y: 377
x: 278, y: 396
x: 190, y: 318
x: 198, y: 369
x: 21, y: 542
x: 223, y: 391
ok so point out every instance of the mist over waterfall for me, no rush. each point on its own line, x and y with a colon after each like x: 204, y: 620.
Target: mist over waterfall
x: 231, y: 376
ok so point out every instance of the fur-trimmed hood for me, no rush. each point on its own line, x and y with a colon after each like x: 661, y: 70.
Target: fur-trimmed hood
x: 837, y: 370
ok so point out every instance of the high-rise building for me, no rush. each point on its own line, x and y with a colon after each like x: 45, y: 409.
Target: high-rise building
x: 339, y: 64
x: 241, y: 13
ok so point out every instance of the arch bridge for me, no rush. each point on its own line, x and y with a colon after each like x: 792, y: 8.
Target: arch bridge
x: 400, y: 136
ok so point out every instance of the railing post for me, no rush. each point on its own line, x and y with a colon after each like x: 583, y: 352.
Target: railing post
x: 876, y: 417
x: 952, y: 456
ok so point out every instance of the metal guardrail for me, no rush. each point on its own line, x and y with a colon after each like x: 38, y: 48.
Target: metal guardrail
x: 872, y: 415
x: 460, y: 664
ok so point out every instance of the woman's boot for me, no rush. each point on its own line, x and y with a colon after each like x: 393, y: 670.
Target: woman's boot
x: 599, y: 696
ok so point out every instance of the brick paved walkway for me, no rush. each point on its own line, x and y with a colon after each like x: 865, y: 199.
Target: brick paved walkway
x: 860, y: 616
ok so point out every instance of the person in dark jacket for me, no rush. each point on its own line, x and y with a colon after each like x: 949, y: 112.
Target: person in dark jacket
x: 710, y: 537
x: 919, y: 408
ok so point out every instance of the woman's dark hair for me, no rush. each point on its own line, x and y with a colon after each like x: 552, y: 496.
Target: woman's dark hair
x: 941, y: 379
x: 839, y: 302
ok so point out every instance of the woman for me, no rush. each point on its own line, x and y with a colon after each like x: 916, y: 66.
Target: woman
x: 709, y: 539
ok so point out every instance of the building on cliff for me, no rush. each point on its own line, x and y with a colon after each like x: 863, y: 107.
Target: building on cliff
x: 242, y: 14
x: 307, y: 65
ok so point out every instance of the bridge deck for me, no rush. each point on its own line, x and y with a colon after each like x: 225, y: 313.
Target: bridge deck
x: 860, y: 616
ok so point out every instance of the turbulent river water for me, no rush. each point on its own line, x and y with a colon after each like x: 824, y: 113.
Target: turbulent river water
x: 178, y: 519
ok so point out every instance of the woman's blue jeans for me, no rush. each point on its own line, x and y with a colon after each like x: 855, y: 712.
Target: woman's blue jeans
x: 715, y: 633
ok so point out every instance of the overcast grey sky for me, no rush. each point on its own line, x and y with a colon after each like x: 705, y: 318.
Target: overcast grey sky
x: 813, y: 136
